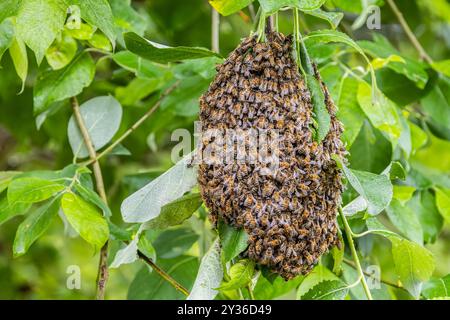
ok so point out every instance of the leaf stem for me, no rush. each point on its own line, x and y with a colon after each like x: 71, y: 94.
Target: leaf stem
x: 163, y: 274
x: 102, y: 274
x: 351, y: 244
x: 134, y: 126
x: 415, y: 42
x: 215, y: 24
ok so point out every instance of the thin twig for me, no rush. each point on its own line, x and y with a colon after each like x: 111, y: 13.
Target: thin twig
x: 163, y: 274
x: 423, y: 54
x: 386, y: 282
x: 215, y: 24
x: 102, y: 275
x: 351, y: 244
x: 134, y: 126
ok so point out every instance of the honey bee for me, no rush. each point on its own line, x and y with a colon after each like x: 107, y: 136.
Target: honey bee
x: 277, y: 259
x: 267, y: 257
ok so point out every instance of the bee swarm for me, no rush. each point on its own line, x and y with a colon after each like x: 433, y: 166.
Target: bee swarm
x: 290, y: 217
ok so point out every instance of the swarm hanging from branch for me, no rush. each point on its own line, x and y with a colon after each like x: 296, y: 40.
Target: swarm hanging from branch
x: 290, y: 216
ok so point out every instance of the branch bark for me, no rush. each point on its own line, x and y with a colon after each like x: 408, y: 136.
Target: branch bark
x: 163, y: 274
x: 102, y: 275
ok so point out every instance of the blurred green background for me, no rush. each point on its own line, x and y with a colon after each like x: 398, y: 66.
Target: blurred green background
x: 41, y: 274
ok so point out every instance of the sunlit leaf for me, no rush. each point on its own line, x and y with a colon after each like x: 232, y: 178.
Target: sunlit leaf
x: 52, y: 86
x: 85, y: 219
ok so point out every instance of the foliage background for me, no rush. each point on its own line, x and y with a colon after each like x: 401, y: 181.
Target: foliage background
x: 41, y: 273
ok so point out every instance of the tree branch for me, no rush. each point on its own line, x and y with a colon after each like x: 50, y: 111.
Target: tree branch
x: 102, y: 275
x: 351, y: 244
x: 163, y: 274
x: 134, y: 126
x: 423, y: 54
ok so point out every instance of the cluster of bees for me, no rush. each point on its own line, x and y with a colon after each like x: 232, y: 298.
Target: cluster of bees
x: 290, y: 216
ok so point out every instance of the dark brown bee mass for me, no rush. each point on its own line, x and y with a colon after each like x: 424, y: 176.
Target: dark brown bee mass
x: 290, y: 216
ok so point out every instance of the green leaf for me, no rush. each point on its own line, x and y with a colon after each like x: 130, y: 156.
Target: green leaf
x: 140, y: 67
x: 61, y: 52
x: 405, y: 220
x: 18, y: 53
x: 34, y: 226
x: 6, y: 178
x: 209, y: 275
x: 184, y: 100
x: 148, y: 285
x: 271, y: 6
x: 443, y: 202
x: 316, y: 283
x: 31, y: 189
x: 266, y: 290
x: 138, y: 89
x: 85, y: 219
x: 375, y: 189
x: 437, y: 288
x: 381, y: 48
x: 98, y: 13
x: 128, y: 254
x: 91, y: 196
x: 327, y: 36
x: 8, y: 8
x: 327, y: 290
x: 442, y: 67
x: 436, y: 104
x: 382, y: 114
x: 371, y: 151
x: 227, y: 7
x: 403, y: 193
x: 350, y: 6
x: 174, y: 242
x: 424, y: 205
x: 413, y: 264
x: 102, y: 116
x: 81, y: 31
x: 146, y: 247
x: 333, y: 18
x: 9, y: 211
x: 99, y: 41
x: 39, y: 22
x: 6, y: 36
x: 241, y: 274
x: 163, y: 54
x: 126, y: 17
x: 321, y: 114
x: 418, y: 137
x: 175, y: 212
x: 232, y: 241
x: 349, y: 111
x: 52, y: 86
x: 379, y: 63
x: 146, y: 203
